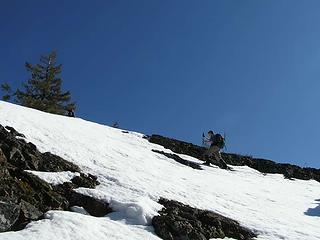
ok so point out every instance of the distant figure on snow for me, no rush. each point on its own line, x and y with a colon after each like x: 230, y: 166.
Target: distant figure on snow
x: 71, y: 112
x: 115, y: 125
x: 216, y: 143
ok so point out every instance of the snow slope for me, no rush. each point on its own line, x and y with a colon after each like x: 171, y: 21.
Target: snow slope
x: 133, y: 177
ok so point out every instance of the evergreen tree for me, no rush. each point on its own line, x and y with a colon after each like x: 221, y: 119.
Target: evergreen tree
x: 43, y: 89
x: 7, y: 89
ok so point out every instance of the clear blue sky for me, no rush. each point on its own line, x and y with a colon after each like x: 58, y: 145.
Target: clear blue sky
x: 178, y: 68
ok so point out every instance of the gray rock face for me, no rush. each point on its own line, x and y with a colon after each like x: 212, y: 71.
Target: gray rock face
x: 181, y: 222
x: 29, y: 211
x: 2, y: 157
x: 9, y: 214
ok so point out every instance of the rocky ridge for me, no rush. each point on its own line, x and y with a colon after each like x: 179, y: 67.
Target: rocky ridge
x: 262, y: 165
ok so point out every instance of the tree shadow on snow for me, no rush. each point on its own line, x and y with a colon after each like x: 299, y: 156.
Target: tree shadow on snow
x: 314, y: 212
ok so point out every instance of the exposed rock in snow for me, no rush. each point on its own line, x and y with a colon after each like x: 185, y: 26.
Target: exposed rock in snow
x: 178, y: 221
x: 24, y: 196
x: 25, y: 155
x: 180, y: 160
x: 92, y: 206
x: 55, y: 178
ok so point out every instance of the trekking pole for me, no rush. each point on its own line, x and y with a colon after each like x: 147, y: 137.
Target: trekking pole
x: 225, y: 142
x: 203, y: 139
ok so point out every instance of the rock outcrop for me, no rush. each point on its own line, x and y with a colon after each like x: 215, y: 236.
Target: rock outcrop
x: 180, y: 160
x: 177, y: 221
x: 24, y: 196
x: 262, y: 165
x: 9, y: 214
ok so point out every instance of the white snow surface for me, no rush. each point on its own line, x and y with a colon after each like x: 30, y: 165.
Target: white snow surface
x: 55, y: 178
x: 133, y: 178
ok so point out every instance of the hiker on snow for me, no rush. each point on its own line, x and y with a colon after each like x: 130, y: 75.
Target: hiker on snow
x: 216, y: 143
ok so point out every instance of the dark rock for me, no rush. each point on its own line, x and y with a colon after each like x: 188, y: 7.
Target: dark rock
x: 29, y: 211
x: 87, y: 181
x: 178, y: 146
x: 17, y: 159
x: 30, y: 196
x: 180, y: 160
x: 4, y: 173
x: 2, y: 157
x: 261, y: 165
x: 9, y: 214
x: 178, y: 221
x: 31, y: 147
x: 26, y: 156
x: 54, y: 163
x: 146, y: 137
x: 30, y: 188
x: 14, y: 132
x: 93, y: 206
x: 84, y: 180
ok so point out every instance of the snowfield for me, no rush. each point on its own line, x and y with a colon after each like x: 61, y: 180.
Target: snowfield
x: 132, y: 178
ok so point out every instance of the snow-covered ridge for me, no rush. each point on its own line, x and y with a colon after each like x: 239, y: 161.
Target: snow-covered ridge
x: 133, y: 178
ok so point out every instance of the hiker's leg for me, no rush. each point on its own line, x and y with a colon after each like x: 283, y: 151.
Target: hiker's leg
x: 210, y: 151
x: 218, y: 159
x: 219, y: 154
x: 215, y: 152
x: 223, y: 164
x: 207, y: 155
x: 214, y: 158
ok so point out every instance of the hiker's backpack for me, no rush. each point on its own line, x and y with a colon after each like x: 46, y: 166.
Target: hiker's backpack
x: 219, y: 141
